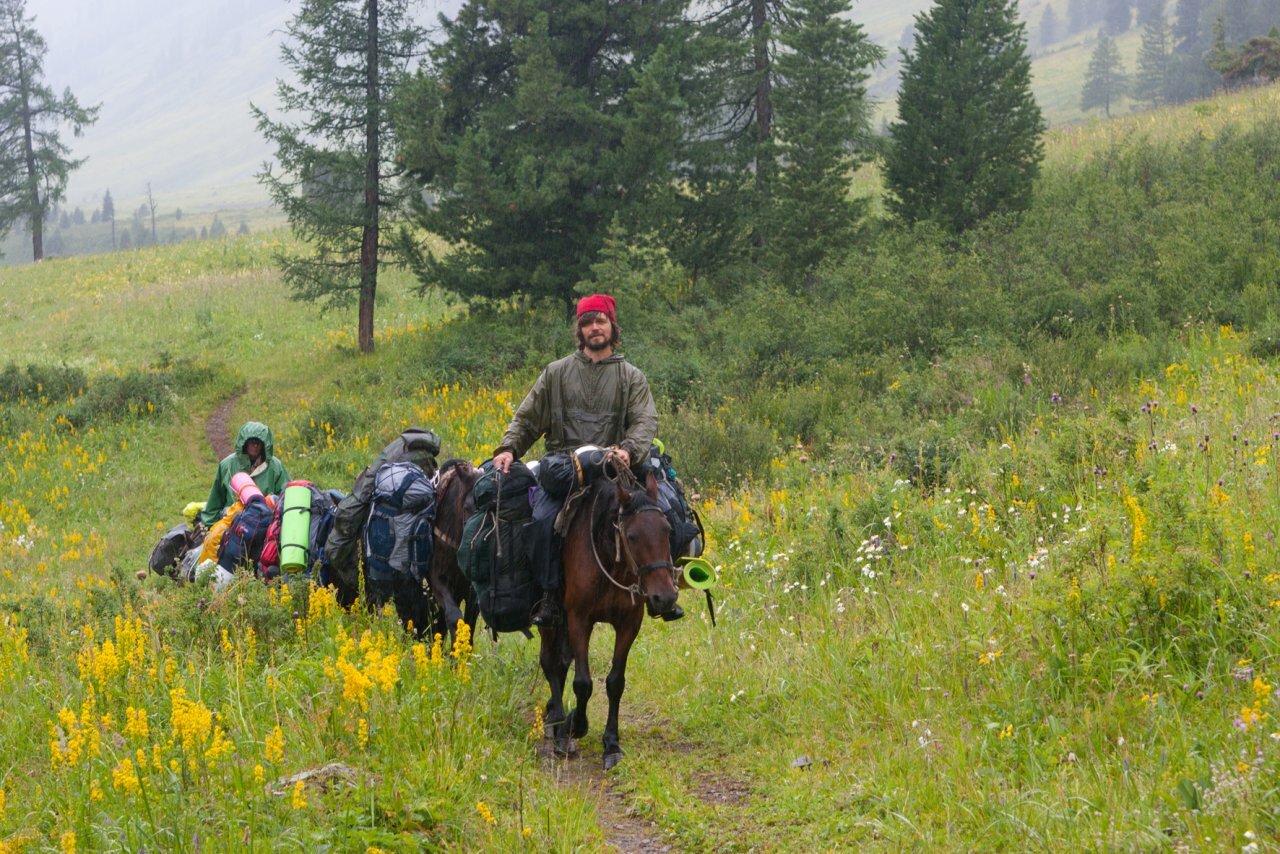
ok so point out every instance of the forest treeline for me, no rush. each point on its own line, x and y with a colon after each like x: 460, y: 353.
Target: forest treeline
x: 528, y: 146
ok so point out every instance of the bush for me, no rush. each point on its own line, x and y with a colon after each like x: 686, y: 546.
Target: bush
x: 331, y: 421
x: 131, y: 394
x: 718, y: 449
x: 54, y: 382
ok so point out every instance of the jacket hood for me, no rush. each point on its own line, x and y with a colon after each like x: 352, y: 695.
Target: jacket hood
x: 256, y: 430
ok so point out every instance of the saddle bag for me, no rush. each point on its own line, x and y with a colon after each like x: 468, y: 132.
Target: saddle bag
x: 493, y: 553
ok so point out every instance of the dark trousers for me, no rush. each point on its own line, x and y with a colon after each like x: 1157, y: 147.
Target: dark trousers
x: 544, y: 544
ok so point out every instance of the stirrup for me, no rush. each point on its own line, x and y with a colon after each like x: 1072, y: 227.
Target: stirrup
x: 548, y: 612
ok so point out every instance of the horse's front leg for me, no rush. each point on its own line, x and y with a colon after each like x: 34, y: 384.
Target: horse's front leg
x: 579, y: 644
x: 555, y: 666
x: 615, y: 683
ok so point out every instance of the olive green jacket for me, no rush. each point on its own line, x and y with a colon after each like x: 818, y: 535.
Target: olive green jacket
x: 577, y: 402
x: 270, y: 480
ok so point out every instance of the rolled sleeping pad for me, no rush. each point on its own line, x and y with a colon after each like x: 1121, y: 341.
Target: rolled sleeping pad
x: 244, y: 487
x: 696, y: 573
x: 295, y: 527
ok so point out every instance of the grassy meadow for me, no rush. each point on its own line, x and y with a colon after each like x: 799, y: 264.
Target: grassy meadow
x: 1056, y: 629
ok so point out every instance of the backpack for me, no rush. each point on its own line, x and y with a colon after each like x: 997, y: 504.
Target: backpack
x: 493, y: 554
x: 344, y: 541
x: 687, y: 537
x: 397, y: 537
x: 243, y: 541
x: 321, y: 512
x: 172, y: 548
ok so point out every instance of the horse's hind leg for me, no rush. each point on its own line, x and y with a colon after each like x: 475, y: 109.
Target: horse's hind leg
x: 580, y: 643
x: 555, y: 666
x: 614, y: 684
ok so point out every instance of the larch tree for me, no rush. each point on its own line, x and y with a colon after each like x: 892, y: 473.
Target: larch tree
x: 34, y: 161
x: 966, y: 143
x: 337, y: 176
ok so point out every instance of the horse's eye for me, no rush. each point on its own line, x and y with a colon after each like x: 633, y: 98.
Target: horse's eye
x: 631, y: 538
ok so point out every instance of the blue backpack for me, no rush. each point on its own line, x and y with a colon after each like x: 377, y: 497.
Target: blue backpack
x: 243, y: 541
x: 397, y: 536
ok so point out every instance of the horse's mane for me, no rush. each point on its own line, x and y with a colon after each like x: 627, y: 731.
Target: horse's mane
x: 604, y: 500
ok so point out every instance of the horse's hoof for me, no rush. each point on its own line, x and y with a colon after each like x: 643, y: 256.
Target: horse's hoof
x: 566, y: 747
x: 612, y: 759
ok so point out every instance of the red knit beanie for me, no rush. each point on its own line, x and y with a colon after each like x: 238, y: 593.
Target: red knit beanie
x: 598, y: 302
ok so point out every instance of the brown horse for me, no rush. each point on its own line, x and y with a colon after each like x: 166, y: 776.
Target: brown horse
x: 617, y: 561
x: 449, y: 587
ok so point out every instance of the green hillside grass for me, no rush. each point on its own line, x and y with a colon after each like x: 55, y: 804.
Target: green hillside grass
x: 1053, y: 626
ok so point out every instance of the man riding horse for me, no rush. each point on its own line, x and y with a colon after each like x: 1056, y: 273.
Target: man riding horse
x: 592, y: 397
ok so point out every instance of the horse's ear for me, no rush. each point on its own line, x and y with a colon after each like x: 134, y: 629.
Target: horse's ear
x: 624, y: 495
x: 651, y: 487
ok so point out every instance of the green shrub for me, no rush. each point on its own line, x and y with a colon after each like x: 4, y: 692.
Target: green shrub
x: 720, y: 448
x: 331, y: 419
x: 54, y: 382
x: 117, y: 397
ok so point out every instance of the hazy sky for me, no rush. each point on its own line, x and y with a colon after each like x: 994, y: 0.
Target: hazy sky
x: 175, y: 79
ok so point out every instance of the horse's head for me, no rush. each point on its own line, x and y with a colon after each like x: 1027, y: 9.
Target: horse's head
x: 646, y: 539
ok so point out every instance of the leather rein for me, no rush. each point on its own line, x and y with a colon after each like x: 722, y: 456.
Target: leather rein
x: 623, y: 550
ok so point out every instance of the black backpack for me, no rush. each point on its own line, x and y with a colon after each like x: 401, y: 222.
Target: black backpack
x: 687, y: 538
x: 493, y: 554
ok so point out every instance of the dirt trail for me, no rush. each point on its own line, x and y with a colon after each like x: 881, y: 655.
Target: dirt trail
x: 622, y: 828
x: 217, y: 429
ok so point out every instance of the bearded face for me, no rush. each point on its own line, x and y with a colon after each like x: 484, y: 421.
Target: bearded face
x: 596, y: 332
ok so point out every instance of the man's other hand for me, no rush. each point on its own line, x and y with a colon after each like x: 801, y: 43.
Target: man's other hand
x: 502, y: 461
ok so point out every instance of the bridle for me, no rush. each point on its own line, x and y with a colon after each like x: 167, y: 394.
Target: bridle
x: 621, y: 547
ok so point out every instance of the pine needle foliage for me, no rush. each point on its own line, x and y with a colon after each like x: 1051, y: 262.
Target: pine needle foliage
x: 336, y: 178
x: 966, y: 144
x: 34, y: 161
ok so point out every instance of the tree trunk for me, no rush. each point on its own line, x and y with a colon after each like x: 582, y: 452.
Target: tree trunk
x: 35, y: 210
x: 764, y: 116
x: 369, y: 237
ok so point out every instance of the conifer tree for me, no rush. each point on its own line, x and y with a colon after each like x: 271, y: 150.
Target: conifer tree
x: 966, y: 143
x: 539, y: 124
x: 1048, y: 33
x: 337, y: 178
x: 1119, y: 16
x: 1188, y: 31
x: 822, y: 126
x: 34, y: 161
x: 1105, y: 81
x: 109, y: 213
x: 1151, y: 81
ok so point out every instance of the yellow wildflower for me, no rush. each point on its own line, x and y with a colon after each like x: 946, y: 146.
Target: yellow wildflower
x: 299, y: 800
x: 124, y: 778
x: 274, y: 745
x: 485, y: 812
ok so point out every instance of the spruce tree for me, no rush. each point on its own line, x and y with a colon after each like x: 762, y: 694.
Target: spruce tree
x: 821, y: 127
x: 1189, y: 35
x: 34, y: 161
x: 338, y: 179
x: 1105, y: 81
x: 1151, y: 81
x: 966, y: 143
x: 1048, y: 27
x: 1119, y: 16
x: 538, y: 124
